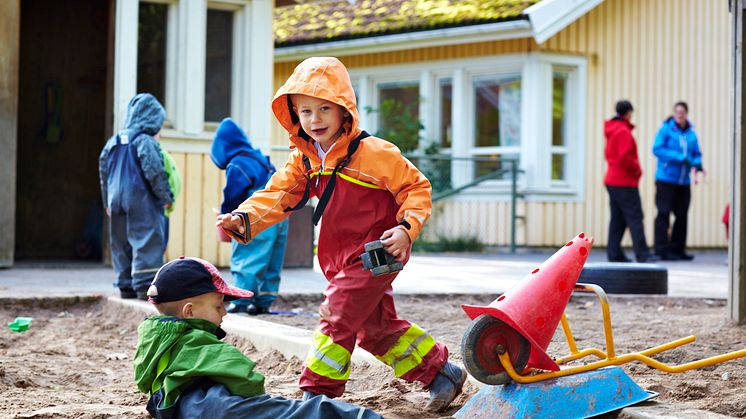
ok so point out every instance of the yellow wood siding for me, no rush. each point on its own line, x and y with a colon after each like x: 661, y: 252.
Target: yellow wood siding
x: 652, y: 52
x: 192, y: 224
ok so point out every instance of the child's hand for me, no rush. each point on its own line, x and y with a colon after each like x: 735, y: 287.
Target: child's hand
x: 168, y: 206
x: 230, y: 222
x: 396, y: 241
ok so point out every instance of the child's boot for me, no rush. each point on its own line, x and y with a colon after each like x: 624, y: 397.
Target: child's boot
x: 255, y: 310
x: 127, y: 293
x: 445, y: 387
x: 142, y: 294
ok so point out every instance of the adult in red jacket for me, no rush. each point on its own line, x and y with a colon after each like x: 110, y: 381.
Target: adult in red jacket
x: 622, y: 179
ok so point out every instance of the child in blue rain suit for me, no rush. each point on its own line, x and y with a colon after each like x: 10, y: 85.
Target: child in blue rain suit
x: 256, y: 266
x: 135, y: 190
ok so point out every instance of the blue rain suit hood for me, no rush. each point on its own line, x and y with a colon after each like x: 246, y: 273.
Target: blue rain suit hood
x: 246, y: 168
x: 677, y: 151
x: 144, y: 114
x: 134, y: 186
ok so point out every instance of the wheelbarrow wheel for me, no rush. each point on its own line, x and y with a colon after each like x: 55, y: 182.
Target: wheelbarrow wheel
x: 479, y: 348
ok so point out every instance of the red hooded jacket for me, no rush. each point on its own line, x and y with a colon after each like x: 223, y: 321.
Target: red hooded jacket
x: 621, y: 154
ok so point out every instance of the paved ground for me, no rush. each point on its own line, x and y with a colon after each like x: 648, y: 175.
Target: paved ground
x: 706, y: 276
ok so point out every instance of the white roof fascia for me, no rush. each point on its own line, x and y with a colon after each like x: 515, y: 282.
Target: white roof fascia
x: 514, y: 29
x: 548, y: 17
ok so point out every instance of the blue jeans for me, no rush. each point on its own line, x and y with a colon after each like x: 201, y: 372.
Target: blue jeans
x: 256, y: 266
x: 216, y: 402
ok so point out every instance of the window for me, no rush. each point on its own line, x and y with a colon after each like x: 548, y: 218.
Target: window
x: 218, y: 64
x: 445, y: 103
x: 398, y: 113
x: 559, y: 125
x: 151, y: 50
x: 497, y: 121
x: 491, y: 114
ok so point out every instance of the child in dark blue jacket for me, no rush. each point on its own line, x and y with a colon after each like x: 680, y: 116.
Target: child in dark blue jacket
x: 256, y: 266
x: 135, y: 190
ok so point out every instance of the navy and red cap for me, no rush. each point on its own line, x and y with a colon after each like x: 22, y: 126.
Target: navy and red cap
x: 188, y: 277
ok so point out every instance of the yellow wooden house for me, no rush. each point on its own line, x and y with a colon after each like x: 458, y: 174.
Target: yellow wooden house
x: 552, y: 70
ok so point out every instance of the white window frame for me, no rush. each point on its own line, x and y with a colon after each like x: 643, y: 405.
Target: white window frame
x: 435, y: 133
x: 252, y: 69
x: 536, y: 71
x: 563, y: 149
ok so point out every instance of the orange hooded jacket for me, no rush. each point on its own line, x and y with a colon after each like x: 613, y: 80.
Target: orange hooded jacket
x: 377, y: 164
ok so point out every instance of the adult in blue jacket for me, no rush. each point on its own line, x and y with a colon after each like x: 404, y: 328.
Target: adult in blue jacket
x: 678, y: 154
x: 256, y: 266
x: 135, y: 189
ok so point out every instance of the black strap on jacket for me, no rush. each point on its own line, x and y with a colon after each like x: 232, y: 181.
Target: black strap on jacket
x: 327, y: 194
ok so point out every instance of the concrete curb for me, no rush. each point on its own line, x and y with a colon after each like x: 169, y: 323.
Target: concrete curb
x: 265, y: 336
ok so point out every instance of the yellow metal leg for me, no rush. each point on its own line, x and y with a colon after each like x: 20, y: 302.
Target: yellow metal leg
x: 609, y: 357
x: 620, y: 360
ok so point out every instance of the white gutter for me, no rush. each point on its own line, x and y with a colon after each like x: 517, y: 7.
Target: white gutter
x: 548, y: 17
x: 515, y: 29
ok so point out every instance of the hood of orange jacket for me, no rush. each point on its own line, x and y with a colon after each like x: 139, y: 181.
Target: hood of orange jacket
x: 324, y: 78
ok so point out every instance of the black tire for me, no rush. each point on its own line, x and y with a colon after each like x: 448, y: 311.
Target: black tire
x: 626, y: 278
x: 481, y: 337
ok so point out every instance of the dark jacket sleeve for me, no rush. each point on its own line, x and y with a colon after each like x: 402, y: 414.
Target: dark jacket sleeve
x: 237, y: 187
x: 243, y: 176
x: 151, y: 163
x: 103, y: 173
x: 696, y: 155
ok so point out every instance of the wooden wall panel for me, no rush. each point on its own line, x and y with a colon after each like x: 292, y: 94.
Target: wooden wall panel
x: 176, y: 223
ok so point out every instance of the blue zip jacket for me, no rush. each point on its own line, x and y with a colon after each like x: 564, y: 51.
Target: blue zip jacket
x: 677, y: 151
x: 246, y: 168
x: 130, y: 165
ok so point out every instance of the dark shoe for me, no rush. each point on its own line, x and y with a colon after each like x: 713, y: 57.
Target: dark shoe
x: 670, y: 256
x: 649, y: 259
x: 127, y: 293
x: 142, y: 295
x: 307, y: 395
x: 622, y: 259
x: 255, y: 311
x: 237, y: 308
x: 445, y: 387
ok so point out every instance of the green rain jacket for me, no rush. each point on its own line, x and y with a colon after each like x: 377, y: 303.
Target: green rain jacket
x: 174, y: 178
x: 172, y: 351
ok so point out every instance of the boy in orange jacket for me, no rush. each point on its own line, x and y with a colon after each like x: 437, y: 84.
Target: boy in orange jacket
x: 367, y: 191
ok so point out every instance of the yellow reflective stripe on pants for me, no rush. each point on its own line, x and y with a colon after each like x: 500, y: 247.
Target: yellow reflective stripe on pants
x: 408, y: 351
x: 328, y: 359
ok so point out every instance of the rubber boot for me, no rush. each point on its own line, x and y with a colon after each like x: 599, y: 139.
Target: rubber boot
x: 127, y: 293
x: 445, y: 387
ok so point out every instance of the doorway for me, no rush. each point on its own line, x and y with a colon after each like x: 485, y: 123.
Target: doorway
x: 63, y: 120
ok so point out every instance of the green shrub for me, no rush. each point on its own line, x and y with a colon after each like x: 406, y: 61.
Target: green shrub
x: 446, y: 244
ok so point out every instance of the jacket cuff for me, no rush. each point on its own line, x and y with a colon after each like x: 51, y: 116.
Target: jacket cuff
x: 246, y: 236
x: 407, y: 227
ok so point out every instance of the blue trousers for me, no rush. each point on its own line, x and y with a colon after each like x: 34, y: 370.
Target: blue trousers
x: 256, y: 266
x: 216, y: 402
x: 137, y: 244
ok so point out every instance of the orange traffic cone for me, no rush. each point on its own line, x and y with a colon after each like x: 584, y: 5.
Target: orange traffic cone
x: 535, y: 305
